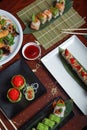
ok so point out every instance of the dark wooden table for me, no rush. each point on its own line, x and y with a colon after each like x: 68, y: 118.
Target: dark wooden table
x: 79, y: 120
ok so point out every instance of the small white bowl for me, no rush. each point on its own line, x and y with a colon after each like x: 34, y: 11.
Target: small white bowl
x: 33, y: 51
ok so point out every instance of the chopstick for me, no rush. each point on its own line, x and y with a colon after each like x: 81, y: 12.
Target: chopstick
x: 69, y: 31
x: 74, y: 33
x: 3, y: 124
x: 73, y: 29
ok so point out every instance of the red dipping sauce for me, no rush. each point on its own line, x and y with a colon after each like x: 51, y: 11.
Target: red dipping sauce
x: 31, y: 51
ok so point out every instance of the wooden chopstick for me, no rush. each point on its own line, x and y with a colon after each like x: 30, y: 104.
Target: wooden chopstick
x: 3, y: 124
x: 71, y: 29
x: 74, y: 33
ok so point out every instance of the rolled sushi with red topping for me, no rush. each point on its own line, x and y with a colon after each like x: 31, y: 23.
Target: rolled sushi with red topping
x: 14, y: 95
x: 18, y: 81
x: 75, y: 65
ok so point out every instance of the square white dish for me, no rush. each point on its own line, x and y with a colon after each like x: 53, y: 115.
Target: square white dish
x: 54, y: 65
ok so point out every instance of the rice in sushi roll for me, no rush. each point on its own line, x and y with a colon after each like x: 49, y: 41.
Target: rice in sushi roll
x: 42, y: 17
x: 49, y: 14
x: 35, y: 24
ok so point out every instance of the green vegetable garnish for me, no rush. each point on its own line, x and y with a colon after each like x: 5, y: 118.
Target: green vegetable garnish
x: 33, y: 18
x: 2, y: 22
x: 10, y: 39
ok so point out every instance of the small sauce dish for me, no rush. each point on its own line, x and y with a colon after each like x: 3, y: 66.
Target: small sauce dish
x: 31, y: 51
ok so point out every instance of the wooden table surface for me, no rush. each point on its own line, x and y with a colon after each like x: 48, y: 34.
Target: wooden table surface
x: 79, y: 120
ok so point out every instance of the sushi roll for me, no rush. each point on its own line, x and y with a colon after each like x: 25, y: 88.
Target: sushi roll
x: 54, y: 118
x: 42, y: 126
x: 76, y: 66
x: 35, y: 23
x: 59, y: 109
x: 14, y: 95
x: 49, y: 14
x: 49, y: 122
x: 55, y: 12
x: 18, y: 81
x: 29, y: 93
x: 42, y: 17
x: 61, y: 6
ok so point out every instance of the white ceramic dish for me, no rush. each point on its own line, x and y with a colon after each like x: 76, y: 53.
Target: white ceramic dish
x: 32, y: 52
x: 18, y: 40
x: 54, y: 65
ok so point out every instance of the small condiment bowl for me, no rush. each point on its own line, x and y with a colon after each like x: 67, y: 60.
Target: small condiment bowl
x: 31, y: 51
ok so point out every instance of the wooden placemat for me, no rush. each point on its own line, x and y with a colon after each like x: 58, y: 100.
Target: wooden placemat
x: 51, y: 34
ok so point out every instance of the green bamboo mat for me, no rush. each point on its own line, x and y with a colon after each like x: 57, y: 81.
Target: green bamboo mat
x: 51, y: 34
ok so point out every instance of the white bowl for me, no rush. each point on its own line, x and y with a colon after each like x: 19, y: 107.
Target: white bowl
x: 32, y: 51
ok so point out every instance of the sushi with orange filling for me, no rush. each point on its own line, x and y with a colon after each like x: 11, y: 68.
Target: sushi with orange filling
x: 49, y: 14
x: 42, y: 17
x: 55, y: 12
x: 35, y: 23
x: 60, y: 4
x: 59, y: 108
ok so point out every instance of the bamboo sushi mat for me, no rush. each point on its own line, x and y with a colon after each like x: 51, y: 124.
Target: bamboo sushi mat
x: 51, y: 34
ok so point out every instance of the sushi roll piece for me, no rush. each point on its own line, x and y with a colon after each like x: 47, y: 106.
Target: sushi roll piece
x: 76, y: 66
x: 18, y: 81
x: 54, y: 118
x: 42, y: 17
x: 14, y: 95
x: 35, y: 23
x: 49, y: 14
x: 55, y: 12
x: 59, y: 109
x: 42, y: 126
x: 29, y: 93
x: 61, y: 6
x: 48, y: 122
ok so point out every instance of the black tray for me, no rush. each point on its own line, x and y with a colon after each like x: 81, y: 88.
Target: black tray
x: 19, y: 67
x: 45, y: 112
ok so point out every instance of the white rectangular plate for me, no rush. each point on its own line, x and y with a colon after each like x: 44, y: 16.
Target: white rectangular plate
x: 54, y: 65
